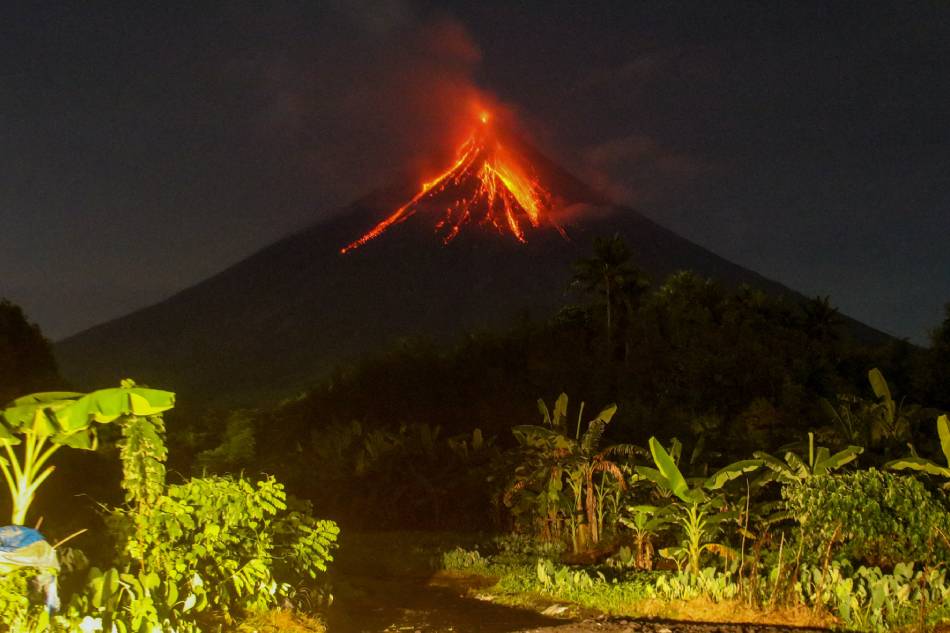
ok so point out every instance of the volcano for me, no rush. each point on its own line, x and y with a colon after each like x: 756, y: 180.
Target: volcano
x: 494, y: 234
x: 488, y: 183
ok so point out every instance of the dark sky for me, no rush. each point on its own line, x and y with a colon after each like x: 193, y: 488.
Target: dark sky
x: 145, y: 146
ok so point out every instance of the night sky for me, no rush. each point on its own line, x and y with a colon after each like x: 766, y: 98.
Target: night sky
x: 145, y: 146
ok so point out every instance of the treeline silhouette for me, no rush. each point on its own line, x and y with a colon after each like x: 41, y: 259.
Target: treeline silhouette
x: 388, y: 441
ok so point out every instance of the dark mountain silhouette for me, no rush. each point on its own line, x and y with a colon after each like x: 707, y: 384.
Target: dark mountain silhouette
x: 272, y: 323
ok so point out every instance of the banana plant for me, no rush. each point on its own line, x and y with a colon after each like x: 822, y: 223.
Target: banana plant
x: 795, y: 468
x: 696, y: 513
x: 891, y: 421
x: 915, y: 462
x: 576, y: 461
x: 646, y: 522
x: 45, y: 422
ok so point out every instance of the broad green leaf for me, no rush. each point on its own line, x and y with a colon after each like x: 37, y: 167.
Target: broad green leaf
x: 676, y: 449
x: 882, y: 391
x: 84, y: 440
x: 540, y: 437
x: 839, y: 459
x: 105, y: 405
x: 595, y: 429
x: 172, y: 596
x: 775, y: 464
x: 560, y: 411
x: 798, y: 467
x: 733, y: 471
x: 607, y: 413
x: 44, y: 397
x: 674, y: 478
x: 652, y: 474
x: 879, y: 384
x: 6, y: 437
x: 820, y: 456
x: 919, y: 464
x: 477, y: 439
x: 943, y: 431
x: 545, y: 413
x: 64, y: 413
x: 675, y: 553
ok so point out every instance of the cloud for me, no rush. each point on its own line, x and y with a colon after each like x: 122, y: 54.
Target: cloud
x: 638, y: 170
x: 378, y: 89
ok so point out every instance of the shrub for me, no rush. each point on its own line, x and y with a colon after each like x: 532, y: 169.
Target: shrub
x: 16, y: 609
x: 236, y: 536
x: 465, y: 561
x: 868, y: 599
x: 869, y: 516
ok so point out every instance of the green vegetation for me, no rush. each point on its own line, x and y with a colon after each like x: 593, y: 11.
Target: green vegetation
x: 870, y: 517
x: 186, y: 555
x: 915, y: 462
x: 49, y: 420
x: 554, y: 461
x: 748, y: 465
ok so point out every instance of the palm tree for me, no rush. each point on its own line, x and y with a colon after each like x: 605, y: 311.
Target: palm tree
x: 611, y: 275
x: 822, y: 319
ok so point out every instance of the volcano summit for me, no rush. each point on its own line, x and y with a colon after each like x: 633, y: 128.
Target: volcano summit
x: 270, y: 325
x: 488, y: 183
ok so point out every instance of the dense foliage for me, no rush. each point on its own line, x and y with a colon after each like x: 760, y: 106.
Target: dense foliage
x: 186, y: 555
x: 735, y: 369
x: 871, y: 517
x: 26, y: 360
x: 739, y: 447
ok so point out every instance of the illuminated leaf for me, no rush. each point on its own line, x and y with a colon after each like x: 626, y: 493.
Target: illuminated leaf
x: 943, y: 431
x: 672, y: 477
x: 733, y: 471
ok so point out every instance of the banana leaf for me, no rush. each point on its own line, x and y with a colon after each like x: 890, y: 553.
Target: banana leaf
x: 733, y: 471
x: 65, y: 417
x: 943, y: 431
x: 541, y: 438
x: 671, y: 476
x: 595, y: 429
x: 827, y: 464
x: 920, y: 464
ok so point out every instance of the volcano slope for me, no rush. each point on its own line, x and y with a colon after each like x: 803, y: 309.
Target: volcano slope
x: 271, y: 324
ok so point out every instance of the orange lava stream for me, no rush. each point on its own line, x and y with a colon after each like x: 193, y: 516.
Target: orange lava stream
x: 492, y: 187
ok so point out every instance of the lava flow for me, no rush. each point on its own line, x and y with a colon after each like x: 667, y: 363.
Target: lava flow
x: 486, y: 184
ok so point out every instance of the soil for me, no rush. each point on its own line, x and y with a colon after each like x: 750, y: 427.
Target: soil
x: 365, y: 604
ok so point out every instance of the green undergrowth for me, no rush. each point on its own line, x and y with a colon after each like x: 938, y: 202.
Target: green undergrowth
x: 836, y: 596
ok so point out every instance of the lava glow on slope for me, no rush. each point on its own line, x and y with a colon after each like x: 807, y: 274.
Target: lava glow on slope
x: 486, y: 184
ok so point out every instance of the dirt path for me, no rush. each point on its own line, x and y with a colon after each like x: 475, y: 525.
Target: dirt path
x: 365, y: 604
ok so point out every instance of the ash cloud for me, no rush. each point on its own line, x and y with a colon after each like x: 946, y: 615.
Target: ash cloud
x: 379, y: 90
x: 648, y: 158
x: 639, y: 170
